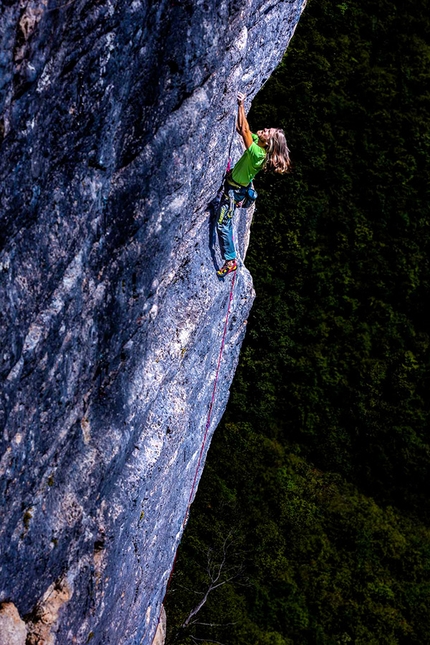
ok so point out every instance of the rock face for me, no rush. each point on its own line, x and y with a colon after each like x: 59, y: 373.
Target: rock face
x: 160, y: 634
x: 116, y: 118
x: 12, y: 628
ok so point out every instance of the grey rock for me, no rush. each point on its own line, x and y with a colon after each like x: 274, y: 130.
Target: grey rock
x: 116, y: 119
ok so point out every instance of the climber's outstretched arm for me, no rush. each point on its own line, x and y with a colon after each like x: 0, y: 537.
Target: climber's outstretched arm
x: 242, y: 124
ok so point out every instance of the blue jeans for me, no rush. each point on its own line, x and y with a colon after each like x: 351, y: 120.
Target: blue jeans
x: 230, y: 198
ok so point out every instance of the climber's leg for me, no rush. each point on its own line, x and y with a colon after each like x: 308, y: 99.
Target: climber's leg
x: 225, y: 227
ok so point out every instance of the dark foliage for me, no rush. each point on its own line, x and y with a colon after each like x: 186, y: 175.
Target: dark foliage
x: 319, y: 474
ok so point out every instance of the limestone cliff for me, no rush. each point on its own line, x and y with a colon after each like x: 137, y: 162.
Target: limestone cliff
x: 116, y: 118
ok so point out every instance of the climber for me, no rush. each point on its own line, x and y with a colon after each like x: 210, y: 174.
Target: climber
x: 268, y: 150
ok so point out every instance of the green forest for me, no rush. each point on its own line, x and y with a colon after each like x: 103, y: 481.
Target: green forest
x: 312, y: 520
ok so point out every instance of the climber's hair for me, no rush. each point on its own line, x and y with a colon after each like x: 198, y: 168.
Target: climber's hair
x: 277, y: 153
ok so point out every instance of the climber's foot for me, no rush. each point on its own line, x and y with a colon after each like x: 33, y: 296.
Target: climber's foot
x: 229, y: 266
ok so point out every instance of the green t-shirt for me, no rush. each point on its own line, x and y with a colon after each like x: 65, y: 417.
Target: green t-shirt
x: 249, y: 164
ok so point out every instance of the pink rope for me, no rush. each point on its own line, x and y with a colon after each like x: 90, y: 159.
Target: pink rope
x: 208, y: 421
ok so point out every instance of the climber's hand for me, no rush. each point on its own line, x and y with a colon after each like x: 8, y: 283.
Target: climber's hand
x: 242, y: 125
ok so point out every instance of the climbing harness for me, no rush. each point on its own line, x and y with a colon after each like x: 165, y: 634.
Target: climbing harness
x: 229, y: 179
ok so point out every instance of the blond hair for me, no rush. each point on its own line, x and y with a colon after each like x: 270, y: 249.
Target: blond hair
x: 277, y: 153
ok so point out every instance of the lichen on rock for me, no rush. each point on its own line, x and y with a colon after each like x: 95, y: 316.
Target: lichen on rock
x: 116, y: 123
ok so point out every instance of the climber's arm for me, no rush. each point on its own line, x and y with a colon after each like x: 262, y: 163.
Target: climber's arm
x: 242, y: 123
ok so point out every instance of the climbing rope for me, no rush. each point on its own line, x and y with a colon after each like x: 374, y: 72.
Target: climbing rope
x: 211, y: 405
x: 208, y: 422
x: 229, y: 162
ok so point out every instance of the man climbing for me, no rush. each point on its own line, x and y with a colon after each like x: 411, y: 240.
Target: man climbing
x: 267, y: 149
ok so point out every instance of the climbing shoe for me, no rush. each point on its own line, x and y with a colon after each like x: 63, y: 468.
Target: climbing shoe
x: 229, y: 266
